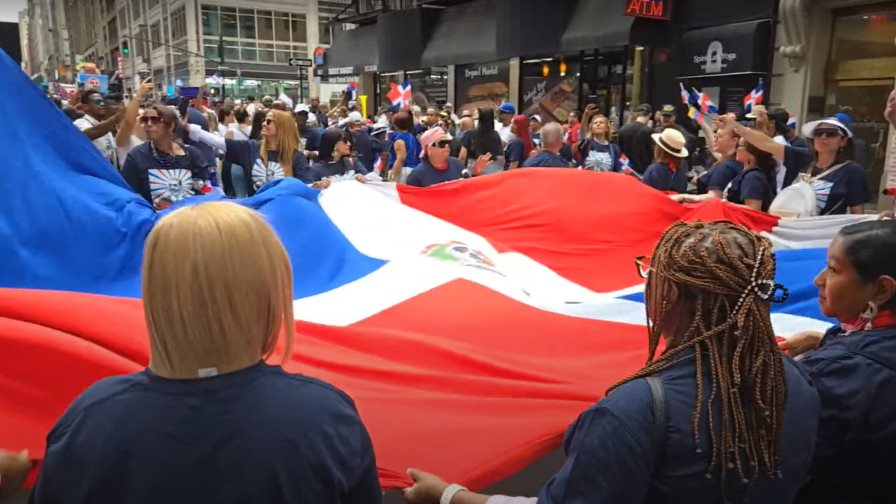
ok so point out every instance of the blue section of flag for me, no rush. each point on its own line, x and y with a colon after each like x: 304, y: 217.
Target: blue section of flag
x: 68, y: 220
x: 795, y: 270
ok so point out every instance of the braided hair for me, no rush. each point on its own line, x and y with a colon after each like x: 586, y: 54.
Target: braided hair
x: 708, y: 290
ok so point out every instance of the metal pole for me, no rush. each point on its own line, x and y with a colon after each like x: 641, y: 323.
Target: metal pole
x: 221, y: 65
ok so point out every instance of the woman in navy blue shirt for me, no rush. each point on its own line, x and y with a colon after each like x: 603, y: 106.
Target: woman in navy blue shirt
x: 335, y: 159
x: 517, y: 151
x: 754, y: 186
x: 266, y: 160
x: 209, y: 420
x: 669, y: 171
x: 839, y: 182
x: 715, y: 180
x: 597, y: 152
x: 162, y: 170
x: 854, y: 368
x: 720, y: 416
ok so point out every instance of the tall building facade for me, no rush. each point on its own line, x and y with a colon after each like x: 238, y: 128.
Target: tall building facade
x: 180, y: 42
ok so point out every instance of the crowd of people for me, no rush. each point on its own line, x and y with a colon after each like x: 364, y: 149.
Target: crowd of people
x: 724, y: 413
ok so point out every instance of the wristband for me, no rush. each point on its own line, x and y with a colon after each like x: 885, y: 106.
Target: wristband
x: 449, y: 493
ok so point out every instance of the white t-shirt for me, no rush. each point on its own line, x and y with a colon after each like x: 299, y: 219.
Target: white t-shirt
x: 133, y: 142
x: 105, y: 144
x: 504, y: 133
x: 781, y: 171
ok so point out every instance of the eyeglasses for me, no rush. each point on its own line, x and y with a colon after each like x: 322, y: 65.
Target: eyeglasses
x: 827, y: 133
x: 150, y: 119
x: 442, y: 144
x: 99, y: 101
x: 642, y: 263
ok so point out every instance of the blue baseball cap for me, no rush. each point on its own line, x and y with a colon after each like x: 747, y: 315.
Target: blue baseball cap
x: 506, y: 108
x: 844, y: 118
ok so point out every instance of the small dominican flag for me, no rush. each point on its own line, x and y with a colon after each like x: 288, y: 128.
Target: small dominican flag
x: 626, y: 166
x: 703, y: 100
x: 351, y: 90
x: 791, y: 122
x: 754, y: 97
x: 401, y: 94
x: 685, y: 96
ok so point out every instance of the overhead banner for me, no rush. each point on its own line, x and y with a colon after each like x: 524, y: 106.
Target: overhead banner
x: 725, y: 50
x: 482, y: 85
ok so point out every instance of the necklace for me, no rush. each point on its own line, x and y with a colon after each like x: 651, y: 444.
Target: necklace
x: 165, y: 159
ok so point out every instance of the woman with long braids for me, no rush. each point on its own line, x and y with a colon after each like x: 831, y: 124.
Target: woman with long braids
x: 719, y: 416
x: 854, y: 368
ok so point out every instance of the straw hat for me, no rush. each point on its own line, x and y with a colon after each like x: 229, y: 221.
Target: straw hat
x: 672, y: 141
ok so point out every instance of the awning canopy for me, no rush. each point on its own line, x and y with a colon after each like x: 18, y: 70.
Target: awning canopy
x: 595, y: 24
x: 356, y: 47
x: 465, y: 33
x: 732, y: 49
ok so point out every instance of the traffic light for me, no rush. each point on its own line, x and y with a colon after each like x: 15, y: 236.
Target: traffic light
x: 125, y: 49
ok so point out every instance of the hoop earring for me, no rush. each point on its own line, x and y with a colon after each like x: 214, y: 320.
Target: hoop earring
x: 869, y: 314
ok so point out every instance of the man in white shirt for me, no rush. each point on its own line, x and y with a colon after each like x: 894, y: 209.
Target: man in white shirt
x: 505, y: 115
x: 96, y: 126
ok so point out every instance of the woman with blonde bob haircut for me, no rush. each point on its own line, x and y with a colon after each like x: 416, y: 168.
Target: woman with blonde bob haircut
x: 210, y: 420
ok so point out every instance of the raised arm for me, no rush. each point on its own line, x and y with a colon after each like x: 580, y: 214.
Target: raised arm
x: 756, y: 138
x: 197, y: 134
x: 126, y: 128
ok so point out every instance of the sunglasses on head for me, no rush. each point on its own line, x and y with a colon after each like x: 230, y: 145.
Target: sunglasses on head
x: 442, y: 144
x: 150, y: 119
x: 827, y: 133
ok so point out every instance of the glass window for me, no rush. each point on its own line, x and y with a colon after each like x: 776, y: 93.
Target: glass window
x: 228, y: 24
x: 231, y: 51
x: 281, y: 28
x: 122, y: 18
x: 179, y: 24
x: 326, y: 35
x: 210, y: 48
x: 282, y: 57
x: 248, y: 51
x: 266, y: 52
x: 210, y: 21
x: 265, y: 27
x: 135, y: 9
x: 298, y: 28
x: 247, y: 25
x: 155, y: 34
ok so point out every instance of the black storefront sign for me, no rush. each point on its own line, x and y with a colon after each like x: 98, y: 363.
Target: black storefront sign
x: 741, y: 48
x: 481, y: 85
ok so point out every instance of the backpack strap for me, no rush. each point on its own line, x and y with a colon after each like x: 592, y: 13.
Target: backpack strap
x: 660, y: 415
x: 827, y: 172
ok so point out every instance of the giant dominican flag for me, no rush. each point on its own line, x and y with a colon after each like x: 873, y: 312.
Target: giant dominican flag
x: 471, y: 322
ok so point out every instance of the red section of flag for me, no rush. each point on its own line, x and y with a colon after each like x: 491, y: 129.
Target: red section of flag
x: 585, y: 226
x: 474, y: 402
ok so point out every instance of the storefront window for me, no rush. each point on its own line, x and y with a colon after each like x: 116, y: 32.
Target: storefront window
x: 429, y: 87
x: 860, y: 71
x: 549, y: 87
x: 605, y: 82
x: 384, y: 84
x: 210, y: 21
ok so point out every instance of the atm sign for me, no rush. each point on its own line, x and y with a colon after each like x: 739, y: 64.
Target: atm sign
x: 652, y: 9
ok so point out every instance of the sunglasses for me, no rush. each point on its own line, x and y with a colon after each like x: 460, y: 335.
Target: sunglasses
x: 268, y: 122
x: 442, y: 144
x: 826, y: 133
x: 99, y: 102
x: 150, y: 119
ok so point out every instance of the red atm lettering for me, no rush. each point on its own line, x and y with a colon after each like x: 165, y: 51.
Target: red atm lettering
x: 645, y: 8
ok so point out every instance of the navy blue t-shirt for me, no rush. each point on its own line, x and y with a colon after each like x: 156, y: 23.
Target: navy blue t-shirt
x: 425, y: 174
x: 160, y: 185
x: 661, y: 177
x: 312, y: 138
x: 246, y: 154
x: 843, y: 188
x: 855, y: 375
x: 323, y: 169
x: 514, y: 152
x: 546, y: 159
x: 796, y: 160
x: 254, y: 435
x: 614, y: 457
x: 752, y: 184
x: 366, y: 147
x: 718, y: 176
x: 599, y: 156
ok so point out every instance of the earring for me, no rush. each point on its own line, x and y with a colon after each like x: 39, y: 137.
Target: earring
x: 869, y: 314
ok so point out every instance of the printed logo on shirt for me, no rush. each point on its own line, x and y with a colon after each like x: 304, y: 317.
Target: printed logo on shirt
x: 167, y: 187
x: 599, y: 161
x: 262, y: 174
x: 822, y: 190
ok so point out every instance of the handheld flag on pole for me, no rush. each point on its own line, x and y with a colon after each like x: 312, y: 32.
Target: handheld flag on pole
x: 401, y: 94
x: 685, y: 96
x: 695, y: 114
x: 791, y: 122
x: 626, y: 167
x: 754, y: 97
x: 704, y: 102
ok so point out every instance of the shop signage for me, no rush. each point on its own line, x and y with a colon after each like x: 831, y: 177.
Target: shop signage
x: 481, y: 85
x: 349, y: 70
x: 724, y: 50
x: 652, y: 9
x: 552, y: 98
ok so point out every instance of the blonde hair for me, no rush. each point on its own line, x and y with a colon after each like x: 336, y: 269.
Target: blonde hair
x: 217, y: 290
x: 287, y: 140
x: 609, y: 127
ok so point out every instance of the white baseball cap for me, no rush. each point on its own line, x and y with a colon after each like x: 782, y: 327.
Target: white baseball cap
x: 302, y: 108
x: 355, y: 118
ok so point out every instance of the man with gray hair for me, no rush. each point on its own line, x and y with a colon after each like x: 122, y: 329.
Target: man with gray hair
x: 463, y: 129
x: 551, y: 144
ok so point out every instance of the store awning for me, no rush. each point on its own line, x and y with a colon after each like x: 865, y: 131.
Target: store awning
x: 531, y: 27
x: 595, y: 24
x: 356, y: 47
x: 402, y: 36
x: 732, y: 49
x: 465, y: 33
